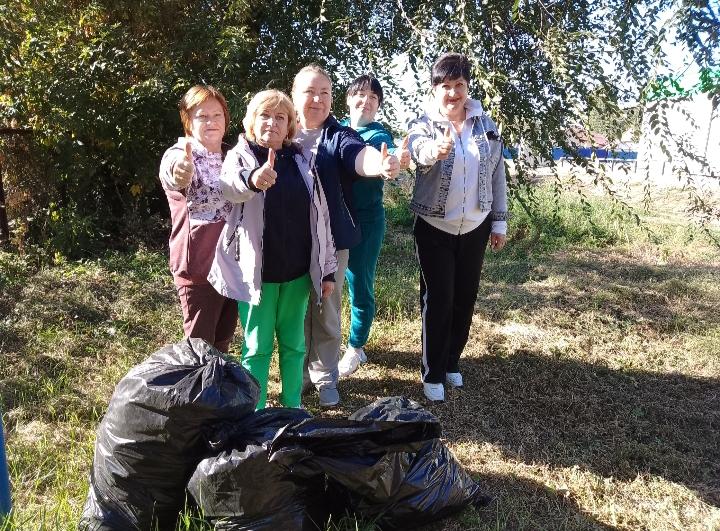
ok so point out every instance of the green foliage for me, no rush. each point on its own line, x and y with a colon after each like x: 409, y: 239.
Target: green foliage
x: 608, y: 118
x: 397, y: 202
x: 558, y: 221
x: 663, y: 87
x: 98, y: 81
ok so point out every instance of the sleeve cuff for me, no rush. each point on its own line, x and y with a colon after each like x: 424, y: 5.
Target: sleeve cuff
x: 499, y: 227
x: 330, y: 277
x: 247, y: 177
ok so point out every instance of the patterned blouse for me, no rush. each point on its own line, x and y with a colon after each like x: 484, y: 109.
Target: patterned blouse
x: 204, y: 201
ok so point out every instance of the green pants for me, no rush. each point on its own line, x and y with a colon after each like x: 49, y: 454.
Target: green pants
x: 281, y: 312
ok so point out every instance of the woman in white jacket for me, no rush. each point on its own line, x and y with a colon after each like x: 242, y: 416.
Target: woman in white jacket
x: 276, y: 245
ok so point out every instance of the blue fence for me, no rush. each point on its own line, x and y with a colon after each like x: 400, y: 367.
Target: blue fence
x: 601, y: 154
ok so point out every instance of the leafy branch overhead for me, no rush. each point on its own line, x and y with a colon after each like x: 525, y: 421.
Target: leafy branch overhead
x: 98, y: 81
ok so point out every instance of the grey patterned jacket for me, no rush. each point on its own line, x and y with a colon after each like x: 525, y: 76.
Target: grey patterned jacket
x: 432, y: 177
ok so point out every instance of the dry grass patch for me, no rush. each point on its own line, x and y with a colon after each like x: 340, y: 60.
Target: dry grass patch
x: 592, y: 371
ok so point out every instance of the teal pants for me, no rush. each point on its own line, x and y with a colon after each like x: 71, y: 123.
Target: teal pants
x: 281, y: 312
x: 360, y: 277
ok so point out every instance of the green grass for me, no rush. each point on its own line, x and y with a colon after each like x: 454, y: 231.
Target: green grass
x: 592, y: 369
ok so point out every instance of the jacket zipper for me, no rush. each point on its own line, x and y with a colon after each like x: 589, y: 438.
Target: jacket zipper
x: 315, y: 189
x: 235, y: 235
x: 462, y: 147
x: 317, y: 237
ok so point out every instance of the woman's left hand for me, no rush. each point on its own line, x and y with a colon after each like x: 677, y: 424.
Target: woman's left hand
x: 328, y: 286
x: 403, y: 154
x: 497, y: 241
x: 390, y: 163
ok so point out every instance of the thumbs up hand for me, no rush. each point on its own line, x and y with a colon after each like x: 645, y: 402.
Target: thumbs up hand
x: 183, y: 169
x: 444, y: 146
x: 390, y: 163
x: 403, y: 154
x: 265, y: 176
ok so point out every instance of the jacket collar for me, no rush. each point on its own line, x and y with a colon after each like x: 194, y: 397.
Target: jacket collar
x: 330, y: 121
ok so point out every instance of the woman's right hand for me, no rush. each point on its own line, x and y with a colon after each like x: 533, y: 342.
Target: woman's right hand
x: 183, y: 169
x: 444, y: 146
x: 390, y: 164
x: 264, y: 177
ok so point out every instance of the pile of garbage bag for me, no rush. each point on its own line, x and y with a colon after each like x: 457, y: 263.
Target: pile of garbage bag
x: 395, y: 473
x: 185, y: 419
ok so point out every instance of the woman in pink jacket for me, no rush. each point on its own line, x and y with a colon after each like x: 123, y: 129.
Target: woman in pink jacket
x: 190, y: 176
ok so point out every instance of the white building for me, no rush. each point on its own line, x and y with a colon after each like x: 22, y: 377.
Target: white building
x: 680, y: 139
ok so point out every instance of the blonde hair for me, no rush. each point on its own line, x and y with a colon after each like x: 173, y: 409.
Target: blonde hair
x: 195, y: 96
x: 313, y: 68
x: 269, y: 99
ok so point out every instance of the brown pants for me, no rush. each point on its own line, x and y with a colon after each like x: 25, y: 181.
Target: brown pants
x: 208, y: 315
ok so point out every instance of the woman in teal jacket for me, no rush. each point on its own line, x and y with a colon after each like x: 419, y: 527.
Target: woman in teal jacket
x: 364, y: 97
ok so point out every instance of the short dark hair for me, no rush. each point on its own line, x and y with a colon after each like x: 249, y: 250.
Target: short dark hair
x: 450, y: 66
x: 365, y: 82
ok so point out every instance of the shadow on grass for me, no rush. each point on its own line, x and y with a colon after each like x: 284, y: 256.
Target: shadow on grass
x: 666, y: 298
x: 566, y: 413
x: 520, y: 503
x: 525, y: 504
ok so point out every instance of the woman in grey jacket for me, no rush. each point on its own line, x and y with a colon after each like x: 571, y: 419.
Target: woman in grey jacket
x: 276, y: 245
x: 460, y: 203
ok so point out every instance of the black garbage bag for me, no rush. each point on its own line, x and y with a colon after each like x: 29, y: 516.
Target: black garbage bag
x: 397, y: 408
x: 338, y: 437
x: 397, y: 473
x: 258, y: 428
x: 240, y: 489
x: 154, y: 434
x: 430, y: 484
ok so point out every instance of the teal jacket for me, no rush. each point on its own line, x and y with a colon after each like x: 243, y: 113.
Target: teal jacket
x: 368, y: 192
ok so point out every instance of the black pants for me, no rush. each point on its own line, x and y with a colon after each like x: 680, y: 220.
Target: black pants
x: 449, y: 277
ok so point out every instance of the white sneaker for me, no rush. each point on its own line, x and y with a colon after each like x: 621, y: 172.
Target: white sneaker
x: 454, y: 379
x: 434, y: 392
x: 351, y: 360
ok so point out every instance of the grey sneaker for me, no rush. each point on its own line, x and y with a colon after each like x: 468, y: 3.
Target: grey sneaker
x: 329, y: 397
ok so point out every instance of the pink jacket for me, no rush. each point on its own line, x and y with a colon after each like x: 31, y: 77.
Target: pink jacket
x: 196, y: 222
x: 236, y: 272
